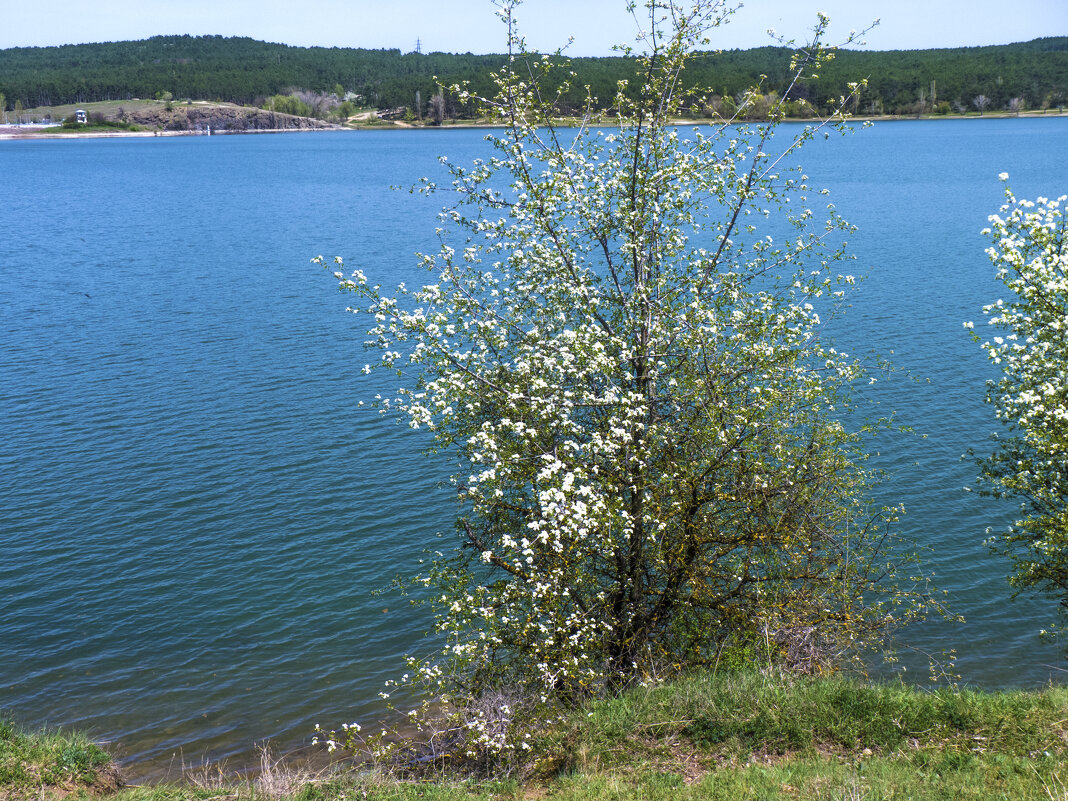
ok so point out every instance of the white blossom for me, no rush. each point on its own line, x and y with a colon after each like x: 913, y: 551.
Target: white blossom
x: 1030, y: 256
x: 640, y: 396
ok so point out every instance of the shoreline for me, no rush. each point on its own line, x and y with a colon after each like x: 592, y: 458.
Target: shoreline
x: 23, y: 133
x: 696, y: 729
x: 6, y: 133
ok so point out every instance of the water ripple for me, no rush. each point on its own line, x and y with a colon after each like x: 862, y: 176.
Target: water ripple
x: 194, y: 510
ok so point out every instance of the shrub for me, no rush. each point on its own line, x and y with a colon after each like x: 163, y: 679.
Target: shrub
x: 1029, y: 249
x: 625, y: 352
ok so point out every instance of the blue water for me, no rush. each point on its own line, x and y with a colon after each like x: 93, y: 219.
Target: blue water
x: 194, y: 511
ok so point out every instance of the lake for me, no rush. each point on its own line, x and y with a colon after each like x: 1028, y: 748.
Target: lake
x: 194, y: 511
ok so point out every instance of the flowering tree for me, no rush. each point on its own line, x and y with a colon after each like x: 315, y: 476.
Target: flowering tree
x: 621, y: 341
x: 1030, y: 251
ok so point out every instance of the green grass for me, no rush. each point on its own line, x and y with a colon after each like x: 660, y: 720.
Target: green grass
x: 738, y: 737
x: 35, y: 763
x: 102, y: 126
x: 108, y: 108
x: 748, y: 713
x: 751, y: 736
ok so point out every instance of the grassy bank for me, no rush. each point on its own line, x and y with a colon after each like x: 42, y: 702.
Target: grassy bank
x: 739, y: 737
x: 42, y: 763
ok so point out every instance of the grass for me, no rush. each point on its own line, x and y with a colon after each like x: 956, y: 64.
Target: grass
x: 35, y: 764
x: 753, y: 736
x: 740, y: 737
x: 102, y: 126
x: 108, y: 108
x: 734, y: 717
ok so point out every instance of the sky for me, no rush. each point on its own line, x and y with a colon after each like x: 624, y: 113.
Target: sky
x: 460, y: 26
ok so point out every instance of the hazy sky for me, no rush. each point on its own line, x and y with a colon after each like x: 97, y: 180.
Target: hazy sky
x: 470, y: 25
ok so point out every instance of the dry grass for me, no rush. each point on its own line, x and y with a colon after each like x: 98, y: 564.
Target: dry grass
x: 277, y: 777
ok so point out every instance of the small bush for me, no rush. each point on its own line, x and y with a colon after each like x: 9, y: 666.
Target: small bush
x: 610, y: 363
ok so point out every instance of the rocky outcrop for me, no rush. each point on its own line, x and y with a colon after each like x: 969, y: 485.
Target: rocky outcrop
x: 221, y: 118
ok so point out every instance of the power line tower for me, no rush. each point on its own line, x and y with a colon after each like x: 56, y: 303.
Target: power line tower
x: 418, y: 45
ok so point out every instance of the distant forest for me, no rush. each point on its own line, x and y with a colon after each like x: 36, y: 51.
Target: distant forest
x: 1029, y: 75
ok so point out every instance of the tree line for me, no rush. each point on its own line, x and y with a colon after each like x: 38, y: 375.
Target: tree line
x: 1027, y: 75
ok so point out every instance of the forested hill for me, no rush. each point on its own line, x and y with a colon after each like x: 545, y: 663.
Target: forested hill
x: 1029, y: 75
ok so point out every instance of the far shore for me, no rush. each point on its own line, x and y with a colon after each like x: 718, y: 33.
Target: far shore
x: 27, y: 132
